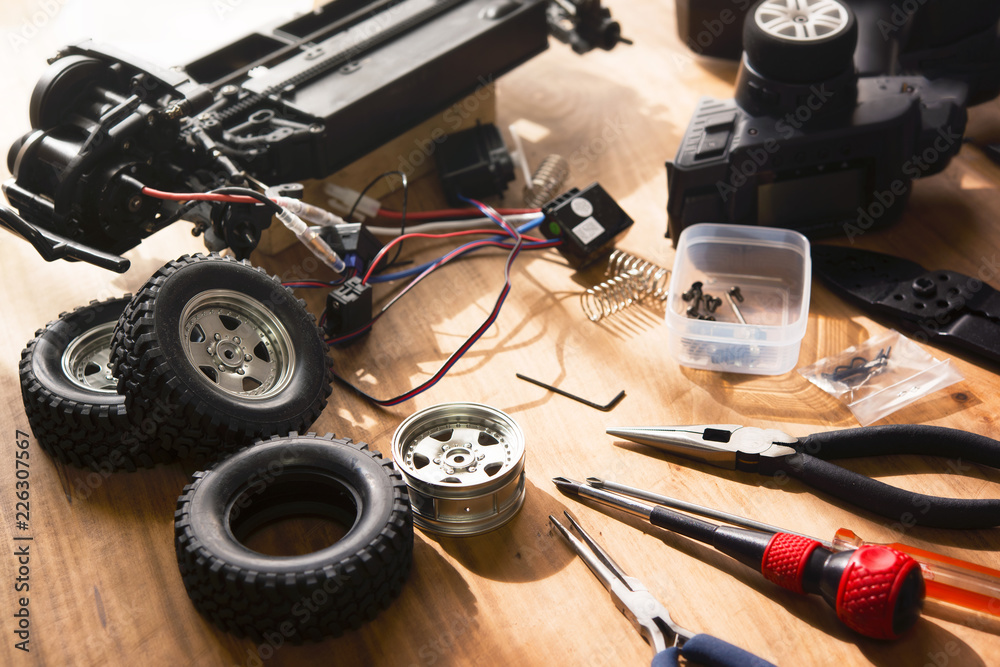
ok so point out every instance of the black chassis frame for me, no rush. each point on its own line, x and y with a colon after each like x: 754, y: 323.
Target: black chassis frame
x: 297, y: 100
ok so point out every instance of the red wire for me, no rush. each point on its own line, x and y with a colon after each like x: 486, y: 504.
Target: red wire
x: 420, y: 215
x: 471, y: 340
x: 452, y: 213
x: 444, y: 260
x: 198, y: 196
x: 400, y: 239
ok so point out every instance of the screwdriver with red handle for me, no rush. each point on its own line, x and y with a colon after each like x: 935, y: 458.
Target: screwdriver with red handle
x: 950, y: 581
x: 875, y: 590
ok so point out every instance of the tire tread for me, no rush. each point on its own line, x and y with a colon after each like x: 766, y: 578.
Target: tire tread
x: 78, y: 433
x: 189, y: 427
x: 249, y: 603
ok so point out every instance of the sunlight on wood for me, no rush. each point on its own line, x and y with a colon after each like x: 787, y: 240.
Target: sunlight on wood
x: 974, y: 181
x: 531, y: 131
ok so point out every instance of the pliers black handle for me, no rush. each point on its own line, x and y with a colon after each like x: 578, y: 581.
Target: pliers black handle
x: 811, y: 465
x: 773, y: 452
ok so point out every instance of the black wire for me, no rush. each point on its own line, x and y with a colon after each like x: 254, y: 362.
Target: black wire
x: 181, y: 212
x: 402, y: 219
x: 247, y: 192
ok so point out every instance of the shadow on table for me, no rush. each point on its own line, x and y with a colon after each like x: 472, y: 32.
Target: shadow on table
x: 522, y: 550
x: 414, y: 614
x: 925, y: 643
x: 920, y: 644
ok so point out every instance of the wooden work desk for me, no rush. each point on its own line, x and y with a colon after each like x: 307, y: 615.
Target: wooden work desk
x: 104, y: 582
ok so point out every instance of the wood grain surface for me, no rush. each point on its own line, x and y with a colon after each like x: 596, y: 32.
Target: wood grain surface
x: 104, y: 585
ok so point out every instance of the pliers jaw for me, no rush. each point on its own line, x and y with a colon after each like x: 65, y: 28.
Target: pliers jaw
x: 650, y: 618
x: 729, y: 446
x: 630, y: 596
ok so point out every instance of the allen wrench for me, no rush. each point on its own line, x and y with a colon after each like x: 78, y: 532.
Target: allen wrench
x: 597, y: 406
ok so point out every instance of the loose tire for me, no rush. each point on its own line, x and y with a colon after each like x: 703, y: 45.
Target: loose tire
x: 222, y: 353
x: 304, y: 597
x: 69, y: 394
x: 810, y: 43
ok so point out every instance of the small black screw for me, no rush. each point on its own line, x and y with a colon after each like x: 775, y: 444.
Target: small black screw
x: 736, y: 293
x: 712, y: 303
x: 692, y: 293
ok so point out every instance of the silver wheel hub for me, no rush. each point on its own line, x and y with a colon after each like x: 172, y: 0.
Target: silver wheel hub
x: 237, y: 344
x: 86, y: 361
x: 802, y: 20
x: 464, y: 466
x: 458, y: 455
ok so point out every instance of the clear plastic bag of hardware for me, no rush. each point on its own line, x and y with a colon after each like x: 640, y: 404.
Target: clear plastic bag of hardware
x: 881, y: 375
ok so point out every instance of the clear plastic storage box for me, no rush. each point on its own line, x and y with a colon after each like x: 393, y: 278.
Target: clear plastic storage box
x: 773, y: 271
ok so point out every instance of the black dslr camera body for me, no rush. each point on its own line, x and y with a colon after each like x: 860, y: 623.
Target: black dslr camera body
x: 807, y: 143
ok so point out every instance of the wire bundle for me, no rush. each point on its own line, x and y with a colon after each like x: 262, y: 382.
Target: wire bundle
x: 512, y: 239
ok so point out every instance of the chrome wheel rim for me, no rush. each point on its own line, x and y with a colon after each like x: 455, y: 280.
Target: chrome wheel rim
x: 459, y: 454
x: 464, y: 466
x: 802, y: 20
x: 237, y: 344
x: 86, y: 361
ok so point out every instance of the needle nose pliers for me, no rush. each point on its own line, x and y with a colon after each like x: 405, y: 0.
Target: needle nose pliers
x: 771, y: 452
x: 668, y: 640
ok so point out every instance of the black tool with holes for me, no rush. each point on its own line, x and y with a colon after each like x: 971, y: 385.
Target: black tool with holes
x: 943, y: 306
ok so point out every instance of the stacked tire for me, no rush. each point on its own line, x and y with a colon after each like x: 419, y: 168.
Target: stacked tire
x: 216, y: 360
x: 70, y: 395
x: 217, y: 353
x: 208, y: 356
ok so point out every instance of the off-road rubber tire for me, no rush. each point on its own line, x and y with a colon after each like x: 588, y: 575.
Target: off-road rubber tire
x: 160, y: 383
x: 303, y: 597
x: 81, y: 427
x: 799, y: 61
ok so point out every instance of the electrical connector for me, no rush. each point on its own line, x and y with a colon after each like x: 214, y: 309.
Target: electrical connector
x: 348, y: 309
x: 314, y: 214
x: 354, y: 243
x: 589, y: 221
x: 311, y: 238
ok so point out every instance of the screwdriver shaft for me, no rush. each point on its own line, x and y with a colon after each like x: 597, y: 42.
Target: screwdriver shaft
x: 700, y: 510
x: 898, y: 587
x: 629, y: 505
x: 951, y: 580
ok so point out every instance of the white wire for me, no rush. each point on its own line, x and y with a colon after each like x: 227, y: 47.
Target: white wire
x: 450, y: 225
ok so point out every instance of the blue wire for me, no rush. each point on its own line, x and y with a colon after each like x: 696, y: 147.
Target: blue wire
x: 531, y: 224
x: 526, y: 227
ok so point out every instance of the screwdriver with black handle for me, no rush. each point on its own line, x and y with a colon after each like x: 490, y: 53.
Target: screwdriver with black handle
x: 875, y: 590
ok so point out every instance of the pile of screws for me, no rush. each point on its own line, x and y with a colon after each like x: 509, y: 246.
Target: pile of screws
x: 699, y: 300
x: 861, y: 369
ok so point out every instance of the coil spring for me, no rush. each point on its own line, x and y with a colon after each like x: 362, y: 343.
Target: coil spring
x: 632, y: 280
x: 546, y: 182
